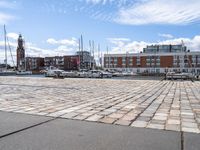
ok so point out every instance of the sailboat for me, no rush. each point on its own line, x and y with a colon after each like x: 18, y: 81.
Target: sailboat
x: 5, y: 71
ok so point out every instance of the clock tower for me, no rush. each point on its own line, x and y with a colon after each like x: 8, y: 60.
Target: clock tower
x: 20, y: 54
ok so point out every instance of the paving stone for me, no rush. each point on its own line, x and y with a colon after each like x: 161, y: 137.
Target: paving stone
x: 149, y: 103
x: 122, y: 122
x: 129, y: 117
x: 173, y: 127
x: 189, y: 124
x: 80, y: 117
x: 143, y: 118
x: 153, y: 121
x: 107, y: 120
x: 155, y: 126
x: 194, y: 130
x: 160, y: 117
x: 69, y: 115
x: 141, y: 124
x: 173, y: 122
x: 94, y: 118
x: 116, y: 115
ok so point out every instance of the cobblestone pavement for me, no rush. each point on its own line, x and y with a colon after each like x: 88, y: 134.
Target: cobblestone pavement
x: 154, y: 104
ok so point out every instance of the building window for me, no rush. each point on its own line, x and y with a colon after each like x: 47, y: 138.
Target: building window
x: 138, y: 60
x: 157, y: 70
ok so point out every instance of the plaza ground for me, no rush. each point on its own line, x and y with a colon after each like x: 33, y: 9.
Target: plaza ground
x: 117, y: 114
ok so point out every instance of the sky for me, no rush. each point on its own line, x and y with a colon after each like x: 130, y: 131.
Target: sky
x: 53, y: 27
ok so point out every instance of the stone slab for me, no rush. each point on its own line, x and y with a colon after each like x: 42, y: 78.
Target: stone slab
x: 62, y: 134
x: 11, y: 122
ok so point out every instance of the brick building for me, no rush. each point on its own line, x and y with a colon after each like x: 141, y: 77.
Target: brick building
x: 34, y: 63
x: 71, y: 62
x: 81, y: 60
x: 56, y: 61
x: 156, y: 59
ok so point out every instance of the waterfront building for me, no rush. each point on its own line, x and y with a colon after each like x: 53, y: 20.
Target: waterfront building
x: 156, y: 59
x: 34, y: 63
x: 71, y: 62
x: 56, y: 61
x: 82, y: 60
x: 86, y: 60
x: 20, y: 54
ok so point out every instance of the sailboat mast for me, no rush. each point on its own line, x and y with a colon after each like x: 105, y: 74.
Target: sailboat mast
x: 99, y: 55
x: 25, y: 57
x: 5, y: 39
x: 79, y: 49
x: 93, y: 54
x: 108, y: 58
x: 90, y: 54
x: 82, y: 59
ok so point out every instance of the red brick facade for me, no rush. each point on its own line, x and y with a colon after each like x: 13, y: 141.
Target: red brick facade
x: 166, y: 61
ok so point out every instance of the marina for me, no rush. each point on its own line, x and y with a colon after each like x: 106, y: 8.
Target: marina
x: 99, y: 75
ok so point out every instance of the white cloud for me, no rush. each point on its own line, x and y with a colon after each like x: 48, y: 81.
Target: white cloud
x: 101, y: 1
x: 63, y: 47
x: 173, y: 12
x: 169, y: 36
x: 13, y: 35
x: 52, y: 41
x: 136, y: 46
x: 66, y: 42
x: 120, y: 45
x: 118, y: 39
x: 119, y: 42
x: 115, y: 3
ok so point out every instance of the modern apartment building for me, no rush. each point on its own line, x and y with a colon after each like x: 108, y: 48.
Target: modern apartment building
x: 86, y: 60
x: 156, y: 59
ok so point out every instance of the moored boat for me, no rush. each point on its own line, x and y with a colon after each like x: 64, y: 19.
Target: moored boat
x: 23, y: 72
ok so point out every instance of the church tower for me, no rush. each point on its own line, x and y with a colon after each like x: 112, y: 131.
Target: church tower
x: 20, y: 54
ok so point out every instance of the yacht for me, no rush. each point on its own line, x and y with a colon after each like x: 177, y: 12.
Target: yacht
x: 53, y: 72
x: 7, y: 73
x: 24, y: 72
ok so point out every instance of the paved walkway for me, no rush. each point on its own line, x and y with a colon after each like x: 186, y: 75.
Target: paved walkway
x: 29, y: 132
x: 164, y: 105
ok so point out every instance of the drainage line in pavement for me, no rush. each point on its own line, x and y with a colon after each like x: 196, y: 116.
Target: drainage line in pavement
x: 5, y: 135
x: 182, y: 141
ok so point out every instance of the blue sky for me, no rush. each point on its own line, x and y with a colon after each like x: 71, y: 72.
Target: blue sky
x: 52, y: 27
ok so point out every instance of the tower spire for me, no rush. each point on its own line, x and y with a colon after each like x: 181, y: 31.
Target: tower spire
x: 20, y: 53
